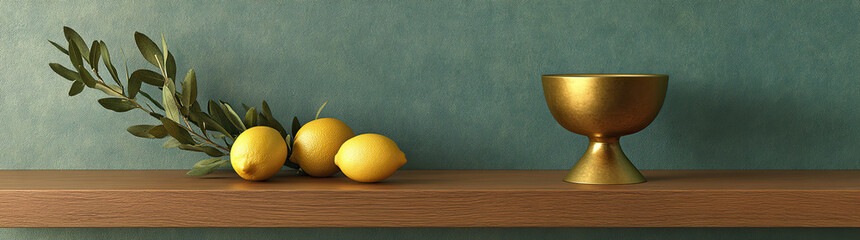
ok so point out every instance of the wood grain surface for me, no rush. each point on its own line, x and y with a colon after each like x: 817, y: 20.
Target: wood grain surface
x: 430, y: 198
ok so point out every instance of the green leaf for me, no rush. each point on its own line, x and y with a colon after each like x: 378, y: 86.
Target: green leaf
x: 108, y: 64
x: 271, y: 121
x: 117, y: 104
x: 146, y: 95
x: 149, y: 77
x: 148, y: 49
x: 95, y: 53
x: 261, y: 120
x: 87, y: 78
x: 210, y: 123
x: 171, y: 66
x: 211, y: 151
x: 171, y: 143
x: 156, y: 115
x: 64, y: 72
x: 189, y: 113
x: 232, y: 116
x: 292, y: 165
x: 59, y: 47
x: 77, y: 87
x: 289, y: 163
x: 75, y: 56
x: 117, y: 92
x: 169, y: 101
x: 133, y: 87
x: 164, y: 46
x: 143, y: 76
x: 217, y: 114
x: 246, y: 107
x: 124, y: 62
x: 148, y: 131
x: 320, y: 110
x: 207, y: 166
x: 80, y: 45
x: 251, y: 118
x: 189, y: 88
x: 207, y: 162
x: 202, y: 126
x: 177, y: 132
x: 296, y: 126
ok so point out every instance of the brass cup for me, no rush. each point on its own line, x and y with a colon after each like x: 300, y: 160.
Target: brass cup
x: 604, y: 107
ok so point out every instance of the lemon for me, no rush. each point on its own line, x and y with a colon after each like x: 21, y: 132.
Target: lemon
x: 369, y: 158
x: 258, y: 153
x: 316, y: 144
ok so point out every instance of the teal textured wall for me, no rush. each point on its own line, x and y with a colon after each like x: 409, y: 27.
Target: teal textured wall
x: 753, y: 85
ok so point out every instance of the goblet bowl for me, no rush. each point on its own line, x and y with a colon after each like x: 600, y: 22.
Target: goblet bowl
x: 604, y: 107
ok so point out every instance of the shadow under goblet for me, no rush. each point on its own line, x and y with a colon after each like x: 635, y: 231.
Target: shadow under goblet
x: 604, y: 107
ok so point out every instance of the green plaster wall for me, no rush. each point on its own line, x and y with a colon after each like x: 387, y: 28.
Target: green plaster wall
x: 753, y: 85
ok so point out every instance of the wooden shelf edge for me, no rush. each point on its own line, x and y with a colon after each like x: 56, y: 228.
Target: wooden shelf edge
x: 416, y: 199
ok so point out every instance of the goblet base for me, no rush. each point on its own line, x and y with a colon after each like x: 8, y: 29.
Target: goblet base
x: 604, y: 163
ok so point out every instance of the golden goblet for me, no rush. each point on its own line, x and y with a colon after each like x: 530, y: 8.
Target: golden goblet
x: 604, y: 107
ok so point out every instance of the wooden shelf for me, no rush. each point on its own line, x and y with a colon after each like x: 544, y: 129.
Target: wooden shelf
x: 429, y: 198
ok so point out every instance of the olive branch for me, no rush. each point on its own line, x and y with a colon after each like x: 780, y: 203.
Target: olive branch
x: 181, y: 118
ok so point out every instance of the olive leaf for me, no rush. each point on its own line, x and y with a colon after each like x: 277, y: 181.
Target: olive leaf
x: 80, y: 45
x: 271, y: 121
x: 289, y: 163
x: 108, y: 64
x: 146, y: 95
x: 95, y: 53
x: 133, y: 87
x: 148, y: 131
x: 251, y: 118
x: 211, y: 151
x: 149, y: 77
x: 320, y: 110
x: 217, y: 114
x: 64, y: 72
x: 87, y: 78
x: 156, y: 115
x: 117, y: 104
x: 124, y: 62
x: 77, y: 87
x: 171, y: 66
x: 232, y: 116
x: 208, y: 166
x: 164, y: 46
x: 59, y: 47
x: 261, y: 120
x: 169, y: 101
x: 148, y: 49
x: 143, y: 76
x: 210, y: 123
x: 171, y: 143
x: 177, y: 132
x: 189, y: 88
x: 296, y: 126
x: 75, y: 56
x: 110, y: 89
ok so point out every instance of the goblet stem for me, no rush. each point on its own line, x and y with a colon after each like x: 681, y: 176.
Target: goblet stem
x: 604, y: 163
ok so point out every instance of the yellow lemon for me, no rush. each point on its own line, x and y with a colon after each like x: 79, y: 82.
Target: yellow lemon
x: 369, y: 158
x: 258, y: 153
x: 316, y: 144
